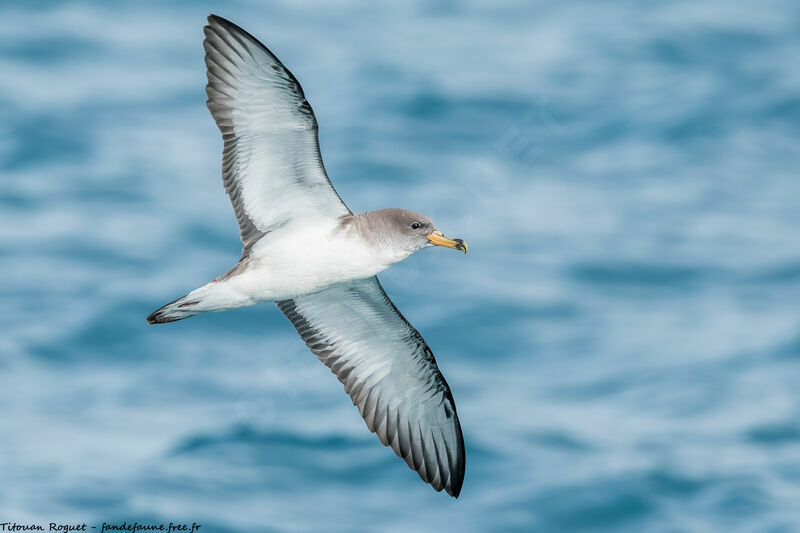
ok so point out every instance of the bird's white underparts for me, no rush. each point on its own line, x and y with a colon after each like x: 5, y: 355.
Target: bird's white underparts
x: 308, y: 253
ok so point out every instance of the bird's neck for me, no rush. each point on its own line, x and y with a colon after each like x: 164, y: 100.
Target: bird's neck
x: 373, y: 233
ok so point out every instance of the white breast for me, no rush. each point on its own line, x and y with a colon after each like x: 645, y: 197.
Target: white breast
x: 303, y: 259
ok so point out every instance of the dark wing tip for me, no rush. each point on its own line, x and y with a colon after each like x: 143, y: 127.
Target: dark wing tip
x: 216, y: 19
x: 216, y: 22
x: 457, y: 476
x: 459, y: 467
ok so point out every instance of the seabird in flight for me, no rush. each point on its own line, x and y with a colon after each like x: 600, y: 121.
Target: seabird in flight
x: 308, y: 253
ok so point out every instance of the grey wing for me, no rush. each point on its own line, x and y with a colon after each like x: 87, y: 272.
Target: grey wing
x: 389, y: 372
x: 271, y: 164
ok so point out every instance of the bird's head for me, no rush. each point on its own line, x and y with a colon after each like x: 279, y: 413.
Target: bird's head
x: 408, y: 232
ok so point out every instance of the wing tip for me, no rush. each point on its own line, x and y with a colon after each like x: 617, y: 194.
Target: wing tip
x: 218, y: 27
x: 456, y: 480
x: 459, y: 469
x: 215, y: 23
x: 216, y: 19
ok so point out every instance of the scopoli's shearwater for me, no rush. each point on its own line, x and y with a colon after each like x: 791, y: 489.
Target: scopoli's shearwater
x: 307, y: 252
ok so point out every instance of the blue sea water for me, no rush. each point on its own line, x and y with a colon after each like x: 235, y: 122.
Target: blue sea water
x: 622, y: 340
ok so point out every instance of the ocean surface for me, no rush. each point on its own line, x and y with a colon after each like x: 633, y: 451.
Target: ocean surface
x: 622, y: 340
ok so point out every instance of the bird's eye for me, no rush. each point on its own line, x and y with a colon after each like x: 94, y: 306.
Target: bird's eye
x: 416, y: 225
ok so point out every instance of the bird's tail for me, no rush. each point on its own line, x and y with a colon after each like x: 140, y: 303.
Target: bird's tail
x: 200, y: 300
x: 183, y: 307
x: 217, y: 295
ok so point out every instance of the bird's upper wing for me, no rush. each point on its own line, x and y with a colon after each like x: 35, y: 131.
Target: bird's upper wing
x: 271, y: 164
x: 390, y: 373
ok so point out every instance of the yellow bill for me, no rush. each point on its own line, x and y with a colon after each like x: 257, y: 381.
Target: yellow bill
x: 440, y: 240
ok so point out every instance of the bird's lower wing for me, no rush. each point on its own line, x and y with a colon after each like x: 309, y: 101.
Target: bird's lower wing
x: 389, y: 372
x: 271, y: 163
